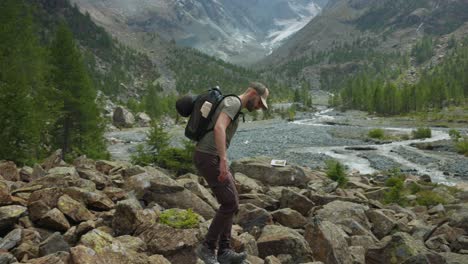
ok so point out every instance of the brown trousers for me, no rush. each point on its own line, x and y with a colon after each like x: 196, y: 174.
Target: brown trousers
x: 226, y: 194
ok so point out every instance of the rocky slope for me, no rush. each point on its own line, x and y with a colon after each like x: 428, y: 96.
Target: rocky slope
x: 108, y: 212
x: 235, y: 31
x: 350, y: 34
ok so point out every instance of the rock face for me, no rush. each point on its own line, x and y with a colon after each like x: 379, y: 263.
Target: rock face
x: 109, y: 212
x: 262, y: 171
x: 122, y: 117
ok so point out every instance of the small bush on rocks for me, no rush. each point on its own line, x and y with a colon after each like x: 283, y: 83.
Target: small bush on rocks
x: 429, y: 198
x: 336, y: 172
x: 178, y: 218
x: 462, y: 146
x: 421, y: 133
x: 376, y: 133
x: 396, y: 192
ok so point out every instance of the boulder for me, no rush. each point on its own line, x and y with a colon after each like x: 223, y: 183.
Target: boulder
x: 74, y: 209
x: 7, y: 258
x: 328, y: 242
x: 337, y: 211
x: 157, y: 187
x: 11, y: 239
x: 26, y: 174
x: 295, y: 201
x: 122, y: 117
x: 199, y: 190
x: 247, y: 185
x: 47, y: 197
x: 53, y: 244
x: 248, y: 244
x: 9, y: 171
x: 289, y: 218
x: 130, y: 218
x: 381, y: 223
x: 177, y: 245
x: 276, y: 240
x: 5, y: 197
x: 101, y: 180
x: 260, y: 200
x: 55, y: 220
x: 143, y: 119
x: 250, y: 216
x: 55, y: 159
x: 261, y: 170
x: 397, y: 249
x: 9, y: 215
x: 38, y: 172
x: 60, y: 257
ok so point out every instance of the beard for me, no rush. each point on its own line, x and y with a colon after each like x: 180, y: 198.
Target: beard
x: 250, y: 105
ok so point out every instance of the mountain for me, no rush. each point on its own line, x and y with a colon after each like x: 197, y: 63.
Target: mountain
x: 241, y: 31
x: 350, y: 36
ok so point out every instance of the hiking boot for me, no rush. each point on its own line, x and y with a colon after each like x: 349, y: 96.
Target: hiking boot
x: 206, y: 255
x: 229, y: 256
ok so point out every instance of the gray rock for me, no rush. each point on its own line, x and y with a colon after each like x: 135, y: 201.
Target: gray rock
x: 260, y: 200
x: 399, y: 248
x: 155, y: 186
x: 358, y: 254
x: 382, y: 225
x: 9, y: 215
x: 177, y: 245
x: 143, y: 119
x: 289, y: 218
x: 7, y: 258
x: 261, y: 170
x: 55, y: 220
x: 9, y: 171
x: 247, y: 185
x: 276, y: 240
x: 53, y: 244
x: 272, y: 260
x: 436, y: 242
x: 250, y: 216
x: 122, y: 117
x: 438, y: 209
x: 296, y: 201
x: 336, y: 211
x: 11, y: 239
x: 328, y: 242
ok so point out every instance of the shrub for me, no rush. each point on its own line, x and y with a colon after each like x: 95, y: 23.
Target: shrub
x: 454, y: 134
x: 396, y: 192
x: 179, y: 218
x: 376, y: 133
x: 292, y: 113
x: 462, y: 146
x: 158, y: 152
x: 336, y: 172
x: 421, y: 133
x: 429, y: 198
x: 177, y: 160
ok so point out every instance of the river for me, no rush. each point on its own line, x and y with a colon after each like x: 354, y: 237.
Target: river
x: 327, y: 134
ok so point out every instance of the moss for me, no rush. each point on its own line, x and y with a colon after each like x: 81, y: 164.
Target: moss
x: 179, y: 218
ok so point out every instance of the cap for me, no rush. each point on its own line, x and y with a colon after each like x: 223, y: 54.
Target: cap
x: 262, y: 91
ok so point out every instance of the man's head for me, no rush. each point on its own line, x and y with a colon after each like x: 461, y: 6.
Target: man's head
x: 257, y: 96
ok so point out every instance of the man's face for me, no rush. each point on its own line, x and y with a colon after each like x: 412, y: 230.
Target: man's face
x: 254, y: 103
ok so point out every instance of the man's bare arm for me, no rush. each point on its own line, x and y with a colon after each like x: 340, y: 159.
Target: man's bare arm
x: 220, y: 140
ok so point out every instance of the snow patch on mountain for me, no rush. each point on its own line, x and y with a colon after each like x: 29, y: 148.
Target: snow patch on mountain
x: 287, y: 27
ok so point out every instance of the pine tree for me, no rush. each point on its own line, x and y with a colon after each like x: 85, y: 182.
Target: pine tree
x: 23, y: 111
x: 79, y: 129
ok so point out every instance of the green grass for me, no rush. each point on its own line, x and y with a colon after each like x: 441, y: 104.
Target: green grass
x: 429, y: 198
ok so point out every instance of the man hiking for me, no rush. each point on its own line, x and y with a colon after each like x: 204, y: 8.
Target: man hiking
x: 211, y: 160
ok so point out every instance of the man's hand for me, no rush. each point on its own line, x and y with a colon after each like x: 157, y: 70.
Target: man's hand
x: 223, y: 170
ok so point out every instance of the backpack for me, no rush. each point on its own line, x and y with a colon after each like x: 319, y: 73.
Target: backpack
x: 201, y: 109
